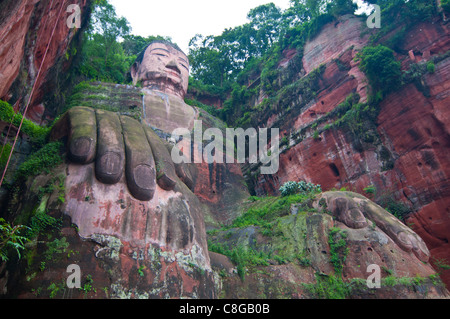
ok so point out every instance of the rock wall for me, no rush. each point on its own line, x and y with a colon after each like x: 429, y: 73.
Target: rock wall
x: 300, y: 249
x: 159, y: 249
x: 25, y: 30
x: 125, y: 248
x: 408, y: 153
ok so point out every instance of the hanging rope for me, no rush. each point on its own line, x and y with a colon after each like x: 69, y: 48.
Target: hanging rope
x: 33, y: 88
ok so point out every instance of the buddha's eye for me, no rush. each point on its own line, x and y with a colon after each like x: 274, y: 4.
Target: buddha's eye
x: 161, y: 54
x: 184, y: 66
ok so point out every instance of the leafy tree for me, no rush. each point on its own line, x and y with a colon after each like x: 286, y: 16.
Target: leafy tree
x: 445, y: 4
x: 217, y: 60
x: 381, y: 68
x: 134, y: 44
x: 265, y: 22
x: 310, y: 9
x: 395, y: 11
x: 103, y: 56
x: 209, y: 64
x: 340, y: 7
x: 10, y: 238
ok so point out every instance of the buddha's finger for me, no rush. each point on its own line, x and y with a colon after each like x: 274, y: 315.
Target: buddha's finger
x: 109, y: 163
x: 165, y: 169
x: 140, y: 166
x: 82, y: 135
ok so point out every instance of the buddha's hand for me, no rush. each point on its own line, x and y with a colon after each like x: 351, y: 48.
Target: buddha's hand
x: 356, y: 211
x: 118, y: 143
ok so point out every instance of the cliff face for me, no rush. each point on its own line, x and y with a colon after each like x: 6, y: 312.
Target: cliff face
x: 404, y: 153
x: 160, y: 249
x: 25, y: 32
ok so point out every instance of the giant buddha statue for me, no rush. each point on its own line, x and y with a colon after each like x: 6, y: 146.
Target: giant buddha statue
x: 124, y: 192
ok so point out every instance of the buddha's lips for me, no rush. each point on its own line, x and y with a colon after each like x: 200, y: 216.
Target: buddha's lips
x: 174, y: 74
x: 169, y: 74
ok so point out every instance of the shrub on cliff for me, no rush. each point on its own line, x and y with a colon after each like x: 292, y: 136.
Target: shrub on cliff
x: 445, y: 4
x: 291, y: 188
x: 37, y: 133
x: 10, y: 239
x: 45, y: 158
x: 381, y: 68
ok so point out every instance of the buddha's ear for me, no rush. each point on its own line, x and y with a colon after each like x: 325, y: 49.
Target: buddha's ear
x: 134, y: 72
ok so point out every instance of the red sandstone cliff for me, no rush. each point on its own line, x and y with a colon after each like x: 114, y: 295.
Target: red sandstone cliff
x: 25, y: 30
x: 410, y: 159
x: 412, y: 128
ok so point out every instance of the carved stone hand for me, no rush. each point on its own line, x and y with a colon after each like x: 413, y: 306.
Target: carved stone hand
x: 120, y: 144
x: 356, y: 211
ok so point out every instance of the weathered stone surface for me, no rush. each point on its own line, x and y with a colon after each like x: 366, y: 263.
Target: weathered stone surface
x: 408, y: 155
x: 333, y: 40
x: 158, y: 249
x: 130, y: 248
x: 110, y: 150
x: 25, y: 30
x: 299, y: 250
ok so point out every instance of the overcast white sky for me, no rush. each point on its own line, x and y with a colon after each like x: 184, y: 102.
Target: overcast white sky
x: 183, y: 19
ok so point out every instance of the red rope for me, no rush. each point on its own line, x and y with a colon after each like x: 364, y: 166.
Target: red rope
x: 32, y: 90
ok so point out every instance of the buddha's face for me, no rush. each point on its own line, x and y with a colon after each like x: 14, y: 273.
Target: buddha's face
x: 163, y: 68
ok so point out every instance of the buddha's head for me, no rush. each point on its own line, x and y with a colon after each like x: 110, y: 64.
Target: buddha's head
x: 162, y: 67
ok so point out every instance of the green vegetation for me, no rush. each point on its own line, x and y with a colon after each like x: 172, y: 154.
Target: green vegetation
x: 396, y: 208
x: 370, y: 189
x: 56, y: 288
x: 338, y: 248
x: 266, y: 214
x: 245, y: 59
x: 41, y: 222
x: 38, y: 134
x: 4, y: 151
x: 55, y: 248
x: 219, y: 60
x: 88, y: 285
x: 105, y: 96
x: 332, y: 287
x: 103, y: 57
x: 11, y: 238
x: 445, y: 4
x: 431, y: 67
x: 267, y: 210
x: 241, y: 257
x: 43, y: 160
x: 210, y: 109
x: 402, y: 14
x: 109, y: 49
x: 441, y: 263
x: 381, y: 68
x: 291, y: 188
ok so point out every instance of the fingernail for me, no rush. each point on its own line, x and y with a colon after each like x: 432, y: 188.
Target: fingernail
x: 166, y: 183
x: 80, y: 148
x: 143, y: 183
x: 144, y: 176
x: 109, y: 168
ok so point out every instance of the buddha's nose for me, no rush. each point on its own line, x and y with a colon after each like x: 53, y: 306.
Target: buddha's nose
x: 173, y: 65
